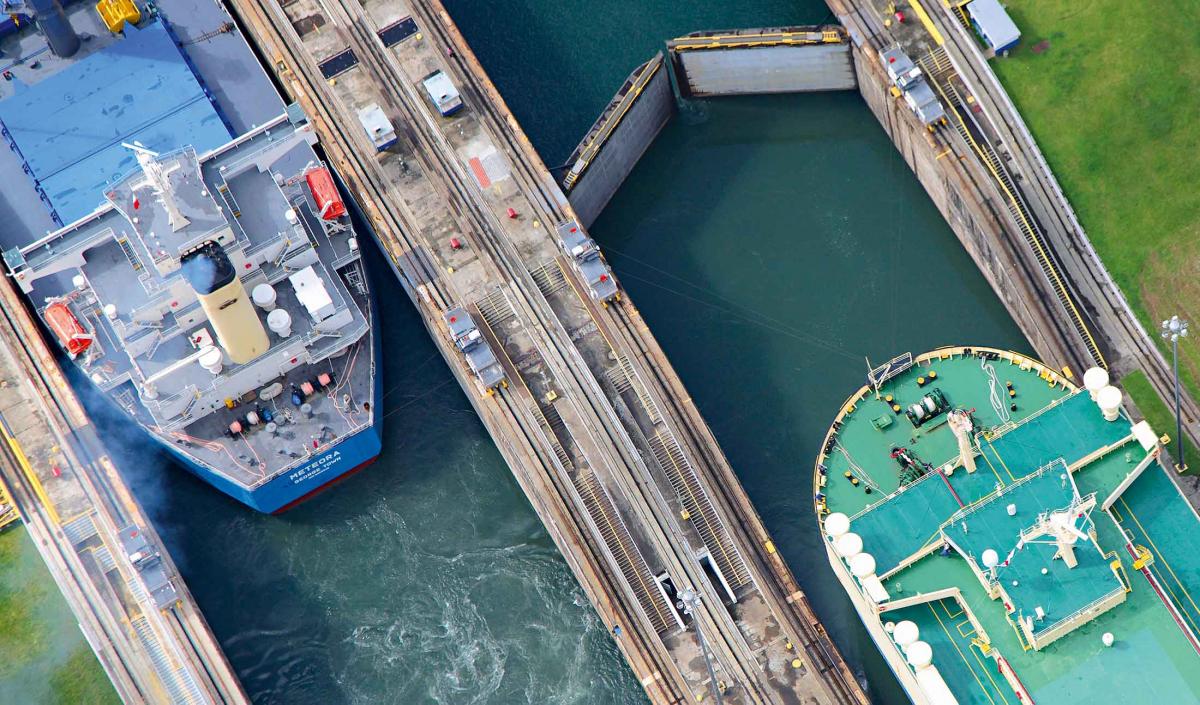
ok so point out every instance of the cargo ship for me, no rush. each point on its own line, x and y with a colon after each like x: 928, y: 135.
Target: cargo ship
x: 170, y: 220
x: 1008, y: 537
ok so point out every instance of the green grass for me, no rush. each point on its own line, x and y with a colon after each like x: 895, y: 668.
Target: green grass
x: 1159, y: 415
x: 1111, y: 97
x: 22, y: 635
x: 81, y: 680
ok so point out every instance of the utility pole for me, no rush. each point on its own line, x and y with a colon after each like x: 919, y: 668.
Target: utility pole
x: 690, y: 601
x: 1173, y: 330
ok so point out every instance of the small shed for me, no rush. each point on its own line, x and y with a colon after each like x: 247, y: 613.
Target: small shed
x: 442, y: 92
x: 378, y: 127
x: 993, y: 24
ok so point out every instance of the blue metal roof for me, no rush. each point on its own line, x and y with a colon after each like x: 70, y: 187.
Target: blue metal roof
x: 994, y: 23
x: 70, y: 126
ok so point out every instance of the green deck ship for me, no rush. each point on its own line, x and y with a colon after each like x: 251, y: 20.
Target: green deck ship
x: 1008, y: 538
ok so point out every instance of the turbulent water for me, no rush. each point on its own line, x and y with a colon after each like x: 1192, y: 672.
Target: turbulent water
x: 771, y: 243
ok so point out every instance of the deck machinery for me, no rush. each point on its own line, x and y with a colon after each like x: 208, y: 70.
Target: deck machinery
x: 1007, y: 537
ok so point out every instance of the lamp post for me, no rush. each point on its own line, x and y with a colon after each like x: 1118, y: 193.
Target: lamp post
x: 690, y: 601
x: 1173, y: 330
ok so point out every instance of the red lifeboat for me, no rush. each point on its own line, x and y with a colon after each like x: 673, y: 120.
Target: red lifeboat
x: 67, y: 328
x: 325, y: 193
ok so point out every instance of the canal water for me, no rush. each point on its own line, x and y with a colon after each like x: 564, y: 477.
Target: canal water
x: 772, y: 244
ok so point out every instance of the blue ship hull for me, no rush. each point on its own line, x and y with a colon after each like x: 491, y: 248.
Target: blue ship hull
x: 288, y: 489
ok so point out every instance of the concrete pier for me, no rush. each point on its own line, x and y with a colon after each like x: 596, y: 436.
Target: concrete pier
x: 593, y: 422
x: 132, y: 605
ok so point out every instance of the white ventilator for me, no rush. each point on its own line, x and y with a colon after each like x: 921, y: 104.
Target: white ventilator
x: 1109, y: 401
x: 264, y: 297
x: 211, y: 359
x: 960, y: 424
x: 919, y: 654
x: 848, y: 545
x: 906, y: 634
x: 1095, y: 379
x: 280, y: 322
x: 836, y: 525
x: 862, y: 566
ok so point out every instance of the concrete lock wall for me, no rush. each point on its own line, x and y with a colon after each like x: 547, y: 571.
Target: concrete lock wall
x: 958, y: 189
x: 611, y: 148
x: 766, y: 69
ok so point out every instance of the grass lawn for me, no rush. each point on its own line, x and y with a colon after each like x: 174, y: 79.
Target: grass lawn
x: 43, y: 656
x: 1109, y: 90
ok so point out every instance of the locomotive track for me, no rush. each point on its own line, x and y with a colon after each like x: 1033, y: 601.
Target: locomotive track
x: 1087, y: 276
x: 582, y: 462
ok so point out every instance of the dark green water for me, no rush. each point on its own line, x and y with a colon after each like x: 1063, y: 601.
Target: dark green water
x: 771, y: 243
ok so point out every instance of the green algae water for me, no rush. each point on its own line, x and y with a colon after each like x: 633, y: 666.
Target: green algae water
x: 44, y: 658
x: 772, y: 243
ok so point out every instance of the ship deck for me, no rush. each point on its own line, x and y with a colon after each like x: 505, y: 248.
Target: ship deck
x: 1055, y: 446
x: 184, y: 77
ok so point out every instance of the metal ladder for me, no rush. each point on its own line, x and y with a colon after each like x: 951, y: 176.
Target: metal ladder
x: 80, y: 529
x: 699, y: 509
x: 181, y: 688
x: 612, y: 528
x: 130, y: 254
x: 616, y: 536
x: 549, y: 277
x: 496, y: 308
x: 635, y: 382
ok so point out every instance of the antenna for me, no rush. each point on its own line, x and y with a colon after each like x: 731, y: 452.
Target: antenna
x: 1062, y: 528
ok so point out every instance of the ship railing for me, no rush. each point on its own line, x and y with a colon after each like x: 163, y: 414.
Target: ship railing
x: 1000, y: 430
x: 1079, y: 613
x: 878, y: 375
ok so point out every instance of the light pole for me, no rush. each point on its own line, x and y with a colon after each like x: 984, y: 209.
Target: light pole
x: 690, y: 602
x: 1173, y: 330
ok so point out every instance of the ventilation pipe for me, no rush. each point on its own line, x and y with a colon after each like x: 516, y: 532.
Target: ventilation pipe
x: 1095, y: 379
x: 1109, y: 401
x: 52, y: 21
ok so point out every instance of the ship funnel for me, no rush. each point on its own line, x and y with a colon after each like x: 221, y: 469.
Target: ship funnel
x: 223, y: 298
x: 280, y: 322
x: 52, y: 21
x: 1095, y: 379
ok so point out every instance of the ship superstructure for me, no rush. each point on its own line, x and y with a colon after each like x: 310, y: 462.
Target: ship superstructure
x: 1007, y: 537
x: 210, y: 286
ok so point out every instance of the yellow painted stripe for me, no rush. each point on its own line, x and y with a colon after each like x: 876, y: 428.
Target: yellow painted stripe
x: 925, y: 20
x: 1162, y: 559
x: 30, y: 474
x: 982, y: 688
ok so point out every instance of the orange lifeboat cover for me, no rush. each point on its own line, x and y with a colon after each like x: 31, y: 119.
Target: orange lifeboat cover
x: 67, y: 328
x: 324, y: 191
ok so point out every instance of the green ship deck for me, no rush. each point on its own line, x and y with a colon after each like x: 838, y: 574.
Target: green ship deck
x: 1050, y: 472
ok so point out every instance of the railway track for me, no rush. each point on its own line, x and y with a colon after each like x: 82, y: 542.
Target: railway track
x: 1086, y: 276
x: 591, y: 441
x: 557, y: 349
